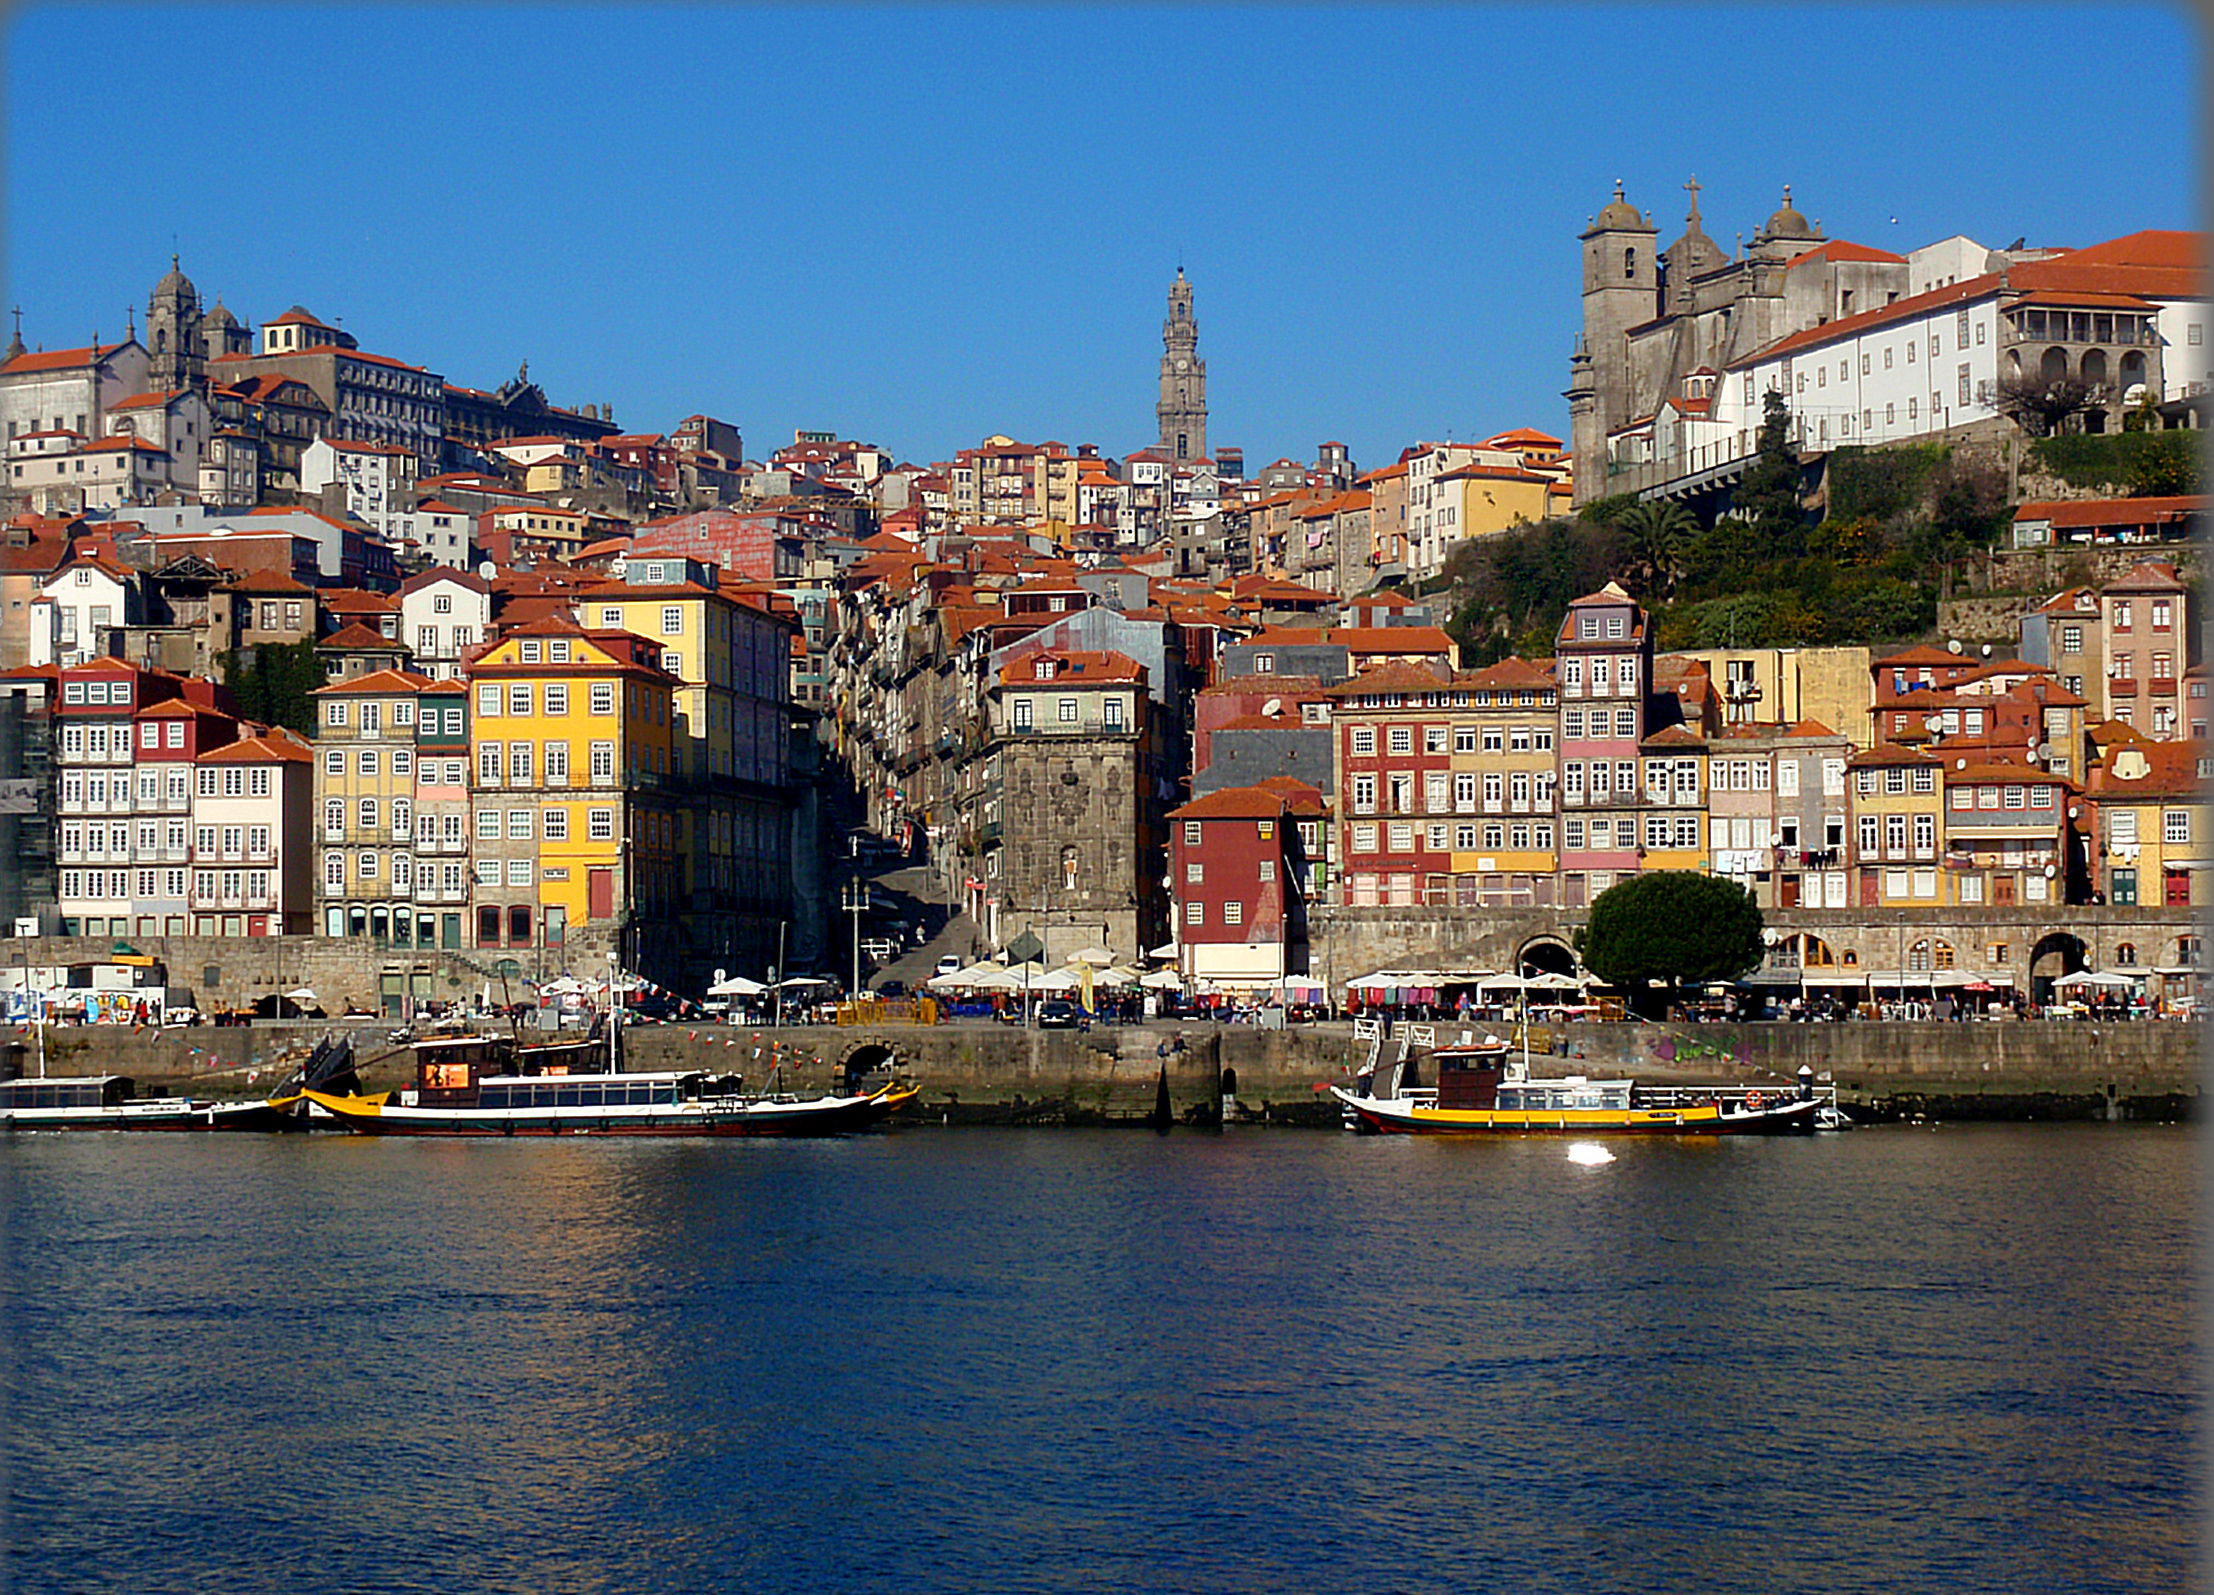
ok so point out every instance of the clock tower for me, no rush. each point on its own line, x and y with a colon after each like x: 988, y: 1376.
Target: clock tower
x: 1183, y: 407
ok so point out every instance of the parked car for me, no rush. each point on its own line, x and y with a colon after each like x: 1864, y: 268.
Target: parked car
x: 180, y: 1015
x: 1057, y: 1014
x: 948, y: 965
x: 892, y: 988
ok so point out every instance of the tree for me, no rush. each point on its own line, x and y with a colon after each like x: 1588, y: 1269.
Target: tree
x: 1768, y: 495
x: 274, y: 686
x: 1673, y: 926
x: 1660, y: 530
x: 2039, y: 405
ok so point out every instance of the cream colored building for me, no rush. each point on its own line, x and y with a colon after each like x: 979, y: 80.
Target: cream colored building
x: 1788, y: 685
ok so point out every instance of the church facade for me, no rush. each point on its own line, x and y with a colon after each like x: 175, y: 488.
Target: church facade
x: 1682, y: 345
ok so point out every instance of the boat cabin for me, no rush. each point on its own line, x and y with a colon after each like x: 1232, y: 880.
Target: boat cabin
x: 447, y: 1068
x: 1573, y: 1091
x: 588, y: 1091
x: 72, y: 1091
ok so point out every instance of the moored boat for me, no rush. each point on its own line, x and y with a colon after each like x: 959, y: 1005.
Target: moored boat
x: 94, y: 1102
x: 1483, y: 1088
x: 472, y: 1086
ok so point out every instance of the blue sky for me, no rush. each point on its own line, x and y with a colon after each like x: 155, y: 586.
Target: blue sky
x: 922, y: 226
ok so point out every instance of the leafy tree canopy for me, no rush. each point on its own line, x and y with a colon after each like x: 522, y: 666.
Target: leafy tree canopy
x: 1674, y: 926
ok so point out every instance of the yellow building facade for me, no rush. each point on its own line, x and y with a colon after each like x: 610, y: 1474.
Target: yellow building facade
x: 573, y: 774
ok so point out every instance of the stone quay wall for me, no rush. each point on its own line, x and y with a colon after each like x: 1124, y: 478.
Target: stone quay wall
x: 989, y: 1073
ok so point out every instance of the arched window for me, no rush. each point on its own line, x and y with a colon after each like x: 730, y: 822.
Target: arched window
x: 1629, y: 265
x: 1941, y: 954
x: 1918, y: 957
x: 2125, y: 953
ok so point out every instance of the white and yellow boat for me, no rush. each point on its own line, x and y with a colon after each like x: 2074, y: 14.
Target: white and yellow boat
x: 1484, y: 1089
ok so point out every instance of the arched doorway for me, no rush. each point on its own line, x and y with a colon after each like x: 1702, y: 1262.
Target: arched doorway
x: 2053, y: 367
x: 870, y: 1057
x: 1545, y: 955
x: 2057, y: 955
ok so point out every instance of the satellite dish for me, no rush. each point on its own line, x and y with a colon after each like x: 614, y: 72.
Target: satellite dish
x: 2074, y: 809
x: 488, y: 570
x: 2043, y: 750
x: 1960, y: 764
x: 2050, y: 872
x: 1953, y: 646
x: 1987, y: 650
x: 1273, y: 708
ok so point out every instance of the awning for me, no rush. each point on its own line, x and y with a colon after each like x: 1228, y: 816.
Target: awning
x: 1824, y: 975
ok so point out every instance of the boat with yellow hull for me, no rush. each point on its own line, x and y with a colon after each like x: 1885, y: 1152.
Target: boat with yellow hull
x: 484, y: 1086
x: 1483, y: 1089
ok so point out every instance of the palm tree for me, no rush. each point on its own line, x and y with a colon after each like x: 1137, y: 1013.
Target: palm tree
x: 1659, y: 532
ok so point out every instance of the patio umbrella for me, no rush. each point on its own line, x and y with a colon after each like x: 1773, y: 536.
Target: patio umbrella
x: 301, y: 994
x: 1097, y: 957
x: 1161, y: 980
x: 1117, y: 975
x: 1059, y: 980
x: 736, y: 986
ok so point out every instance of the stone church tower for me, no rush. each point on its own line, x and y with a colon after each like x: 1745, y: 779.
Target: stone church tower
x: 1620, y: 292
x: 173, y: 337
x: 1183, y: 407
x: 181, y: 338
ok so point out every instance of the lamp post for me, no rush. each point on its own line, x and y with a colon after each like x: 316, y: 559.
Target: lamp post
x: 855, y: 901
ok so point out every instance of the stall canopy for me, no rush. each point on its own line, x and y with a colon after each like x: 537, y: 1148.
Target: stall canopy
x: 737, y: 986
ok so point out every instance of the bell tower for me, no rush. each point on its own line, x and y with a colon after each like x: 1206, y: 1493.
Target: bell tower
x: 173, y: 337
x: 1621, y: 291
x: 1182, y: 411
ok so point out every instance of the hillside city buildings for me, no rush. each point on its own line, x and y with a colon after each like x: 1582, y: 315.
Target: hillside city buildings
x: 301, y: 637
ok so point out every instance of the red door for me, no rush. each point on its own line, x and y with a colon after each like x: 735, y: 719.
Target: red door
x: 1869, y: 897
x: 600, y: 894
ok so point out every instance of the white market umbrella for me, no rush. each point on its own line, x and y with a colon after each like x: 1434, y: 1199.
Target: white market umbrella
x: 998, y: 980
x: 301, y: 994
x: 1097, y: 957
x: 1116, y: 975
x: 1059, y: 980
x: 1161, y: 980
x: 1503, y: 983
x: 1167, y: 949
x: 2092, y: 977
x: 737, y: 986
x: 798, y: 981
x: 1553, y: 982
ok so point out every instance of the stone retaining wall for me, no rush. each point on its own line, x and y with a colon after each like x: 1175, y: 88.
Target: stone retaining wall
x: 996, y: 1073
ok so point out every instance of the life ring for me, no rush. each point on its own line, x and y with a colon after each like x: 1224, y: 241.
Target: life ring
x: 1754, y: 1101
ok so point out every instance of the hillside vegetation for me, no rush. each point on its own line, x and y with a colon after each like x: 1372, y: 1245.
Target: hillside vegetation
x: 1770, y: 574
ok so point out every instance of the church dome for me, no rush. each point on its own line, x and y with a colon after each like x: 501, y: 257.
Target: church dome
x: 1618, y: 212
x: 176, y: 285
x: 1787, y: 222
x: 221, y: 317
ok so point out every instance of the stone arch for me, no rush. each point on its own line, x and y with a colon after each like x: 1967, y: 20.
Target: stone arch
x: 1545, y: 955
x: 2132, y: 370
x: 2093, y: 367
x: 865, y: 1058
x: 2053, y: 366
x: 2057, y: 954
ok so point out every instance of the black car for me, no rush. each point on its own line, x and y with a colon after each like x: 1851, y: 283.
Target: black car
x: 1057, y: 1014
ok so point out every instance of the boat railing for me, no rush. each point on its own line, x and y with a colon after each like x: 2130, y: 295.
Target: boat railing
x: 1734, y: 1098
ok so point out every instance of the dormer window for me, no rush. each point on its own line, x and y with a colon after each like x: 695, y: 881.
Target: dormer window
x: 1044, y: 670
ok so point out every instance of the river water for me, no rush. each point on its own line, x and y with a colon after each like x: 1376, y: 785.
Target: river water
x: 944, y: 1360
